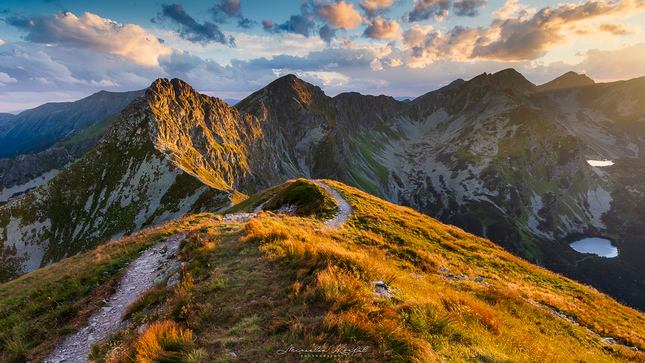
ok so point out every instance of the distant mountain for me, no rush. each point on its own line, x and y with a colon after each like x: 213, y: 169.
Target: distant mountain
x: 567, y: 81
x: 404, y: 99
x: 231, y: 101
x: 496, y: 155
x: 22, y: 173
x: 40, y: 128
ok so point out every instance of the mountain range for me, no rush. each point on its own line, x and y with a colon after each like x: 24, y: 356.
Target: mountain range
x: 496, y: 155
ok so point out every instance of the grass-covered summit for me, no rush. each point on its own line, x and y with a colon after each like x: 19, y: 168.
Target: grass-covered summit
x: 265, y: 289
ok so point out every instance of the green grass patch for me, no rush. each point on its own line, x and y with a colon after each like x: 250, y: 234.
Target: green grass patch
x: 310, y: 200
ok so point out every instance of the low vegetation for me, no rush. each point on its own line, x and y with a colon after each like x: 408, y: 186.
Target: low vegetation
x: 309, y: 199
x: 281, y: 288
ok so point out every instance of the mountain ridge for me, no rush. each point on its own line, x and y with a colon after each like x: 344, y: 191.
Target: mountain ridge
x: 494, y: 155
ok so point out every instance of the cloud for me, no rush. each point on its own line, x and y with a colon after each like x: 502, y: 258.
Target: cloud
x: 376, y: 65
x: 426, y: 47
x: 339, y: 14
x: 518, y: 38
x: 327, y: 33
x: 616, y: 29
x: 5, y: 78
x: 468, y: 7
x: 230, y: 7
x: 530, y: 38
x: 372, y: 8
x: 510, y: 8
x: 297, y: 24
x: 335, y: 15
x: 621, y: 63
x: 380, y: 28
x: 190, y: 29
x: 227, y: 9
x: 90, y: 31
x: 426, y: 9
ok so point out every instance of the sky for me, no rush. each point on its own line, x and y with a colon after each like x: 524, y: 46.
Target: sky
x: 64, y: 50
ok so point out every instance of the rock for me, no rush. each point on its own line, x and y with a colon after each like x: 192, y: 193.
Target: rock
x: 608, y: 341
x: 382, y: 290
x: 232, y: 354
x: 443, y: 269
x: 173, y: 280
x: 463, y: 277
x: 142, y: 328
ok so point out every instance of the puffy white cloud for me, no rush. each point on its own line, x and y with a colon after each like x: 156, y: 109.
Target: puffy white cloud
x: 340, y: 14
x: 380, y: 28
x: 90, y: 31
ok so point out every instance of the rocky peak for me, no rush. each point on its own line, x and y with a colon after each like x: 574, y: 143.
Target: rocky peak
x: 505, y: 80
x: 292, y: 88
x: 567, y: 81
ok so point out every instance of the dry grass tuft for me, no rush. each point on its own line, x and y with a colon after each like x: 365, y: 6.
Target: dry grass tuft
x: 163, y: 341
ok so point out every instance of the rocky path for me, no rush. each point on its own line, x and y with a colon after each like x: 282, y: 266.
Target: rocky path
x: 344, y: 209
x: 139, y: 277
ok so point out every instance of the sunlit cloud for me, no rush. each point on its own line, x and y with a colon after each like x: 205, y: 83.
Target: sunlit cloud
x: 339, y: 14
x: 92, y: 32
x: 372, y: 8
x: 380, y: 28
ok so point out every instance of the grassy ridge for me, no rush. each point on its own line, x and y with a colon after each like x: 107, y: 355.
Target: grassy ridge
x: 258, y: 288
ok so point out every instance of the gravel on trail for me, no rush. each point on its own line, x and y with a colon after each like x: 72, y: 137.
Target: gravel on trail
x: 137, y: 279
x: 344, y: 209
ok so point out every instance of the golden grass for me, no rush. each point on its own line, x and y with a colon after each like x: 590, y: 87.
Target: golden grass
x: 256, y: 288
x: 162, y: 340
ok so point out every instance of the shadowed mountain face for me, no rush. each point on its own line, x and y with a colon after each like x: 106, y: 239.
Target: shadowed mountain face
x: 496, y: 155
x: 51, y: 137
x: 38, y: 129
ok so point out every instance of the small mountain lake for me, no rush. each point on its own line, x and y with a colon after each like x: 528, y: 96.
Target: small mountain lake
x: 600, y: 162
x: 599, y: 246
